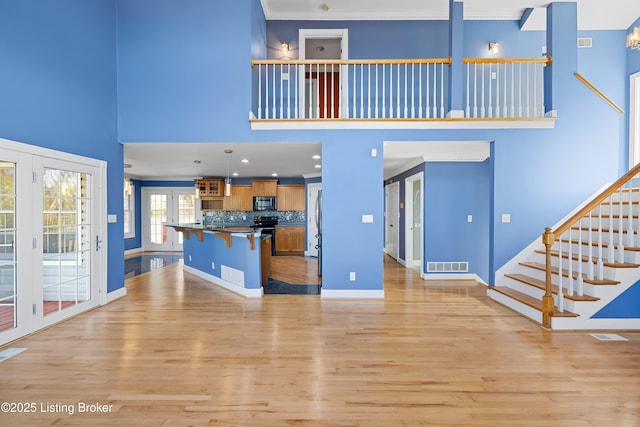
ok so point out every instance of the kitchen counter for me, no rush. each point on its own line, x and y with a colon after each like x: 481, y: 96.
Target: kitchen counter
x: 237, y: 258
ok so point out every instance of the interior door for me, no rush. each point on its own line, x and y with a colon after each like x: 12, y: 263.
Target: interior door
x: 162, y: 207
x: 391, y: 217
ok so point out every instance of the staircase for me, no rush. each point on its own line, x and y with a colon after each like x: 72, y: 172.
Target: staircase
x: 581, y: 265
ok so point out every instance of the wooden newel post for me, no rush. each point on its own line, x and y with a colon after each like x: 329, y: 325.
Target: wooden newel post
x: 548, y: 238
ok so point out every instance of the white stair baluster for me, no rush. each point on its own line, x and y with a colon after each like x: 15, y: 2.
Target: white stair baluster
x: 610, y: 245
x: 296, y: 84
x: 497, y: 90
x: 406, y: 94
x: 482, y: 109
x: 281, y: 93
x: 504, y: 93
x: 435, y: 91
x: 560, y: 281
x: 442, y: 90
x: 513, y: 91
x: 600, y: 260
x: 384, y: 91
x: 398, y: 111
x: 580, y: 260
x: 427, y: 84
x: 420, y: 91
x: 266, y: 91
x: 274, y: 111
x: 475, y: 90
x: 570, y: 263
x: 377, y: 103
x: 490, y: 93
x: 369, y: 91
x: 413, y: 91
x: 620, y: 247
x: 333, y: 94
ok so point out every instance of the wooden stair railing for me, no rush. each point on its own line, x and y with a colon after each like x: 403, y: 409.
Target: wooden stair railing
x: 595, y: 263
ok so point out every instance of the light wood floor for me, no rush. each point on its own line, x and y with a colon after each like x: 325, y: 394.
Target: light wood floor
x: 295, y: 270
x: 178, y: 351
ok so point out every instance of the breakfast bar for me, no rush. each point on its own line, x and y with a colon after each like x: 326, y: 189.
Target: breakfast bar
x: 235, y: 258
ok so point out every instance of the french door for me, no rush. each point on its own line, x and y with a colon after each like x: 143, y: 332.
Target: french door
x: 162, y: 207
x: 52, y: 218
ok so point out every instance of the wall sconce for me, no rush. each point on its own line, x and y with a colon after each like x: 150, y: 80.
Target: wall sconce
x: 285, y: 48
x: 633, y: 39
x: 494, y: 47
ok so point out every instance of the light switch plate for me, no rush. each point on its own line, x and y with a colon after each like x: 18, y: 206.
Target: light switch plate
x: 469, y: 218
x: 367, y: 219
x: 352, y: 276
x: 506, y: 218
x: 112, y: 218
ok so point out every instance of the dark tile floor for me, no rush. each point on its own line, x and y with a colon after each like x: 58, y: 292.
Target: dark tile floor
x: 146, y: 262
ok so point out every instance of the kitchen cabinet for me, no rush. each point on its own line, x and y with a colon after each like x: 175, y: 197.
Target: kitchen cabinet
x: 211, y: 204
x: 265, y: 187
x: 289, y: 239
x: 291, y: 197
x: 241, y: 198
x: 210, y: 187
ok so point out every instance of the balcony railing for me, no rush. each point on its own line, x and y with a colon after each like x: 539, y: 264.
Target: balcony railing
x: 505, y: 87
x: 397, y: 89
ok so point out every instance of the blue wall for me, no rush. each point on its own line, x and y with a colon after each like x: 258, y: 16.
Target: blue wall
x: 453, y: 191
x: 625, y: 306
x: 58, y: 90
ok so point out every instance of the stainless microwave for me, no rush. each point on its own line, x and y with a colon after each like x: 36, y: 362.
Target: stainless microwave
x: 264, y: 203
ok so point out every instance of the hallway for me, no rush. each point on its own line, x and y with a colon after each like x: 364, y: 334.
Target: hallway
x: 180, y: 351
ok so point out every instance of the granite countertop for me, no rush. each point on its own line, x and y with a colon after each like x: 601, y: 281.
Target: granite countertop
x: 218, y: 228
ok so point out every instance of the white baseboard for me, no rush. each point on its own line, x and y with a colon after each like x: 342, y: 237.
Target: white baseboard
x: 117, y: 294
x: 133, y: 251
x: 597, y: 324
x: 351, y: 293
x: 453, y: 276
x: 248, y: 293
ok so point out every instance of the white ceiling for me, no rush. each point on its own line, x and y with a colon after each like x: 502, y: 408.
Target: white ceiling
x: 592, y: 14
x: 175, y: 161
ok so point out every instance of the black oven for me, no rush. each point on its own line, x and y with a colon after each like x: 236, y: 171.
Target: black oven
x: 264, y: 203
x: 267, y: 225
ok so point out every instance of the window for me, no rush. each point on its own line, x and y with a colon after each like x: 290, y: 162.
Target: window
x: 129, y: 209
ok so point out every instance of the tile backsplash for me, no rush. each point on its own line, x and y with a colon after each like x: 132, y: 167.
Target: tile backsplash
x: 243, y: 217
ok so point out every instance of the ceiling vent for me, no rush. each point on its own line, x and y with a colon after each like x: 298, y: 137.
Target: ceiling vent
x: 585, y: 42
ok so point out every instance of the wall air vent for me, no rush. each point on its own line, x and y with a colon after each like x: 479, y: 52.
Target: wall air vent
x: 448, y: 267
x: 585, y: 42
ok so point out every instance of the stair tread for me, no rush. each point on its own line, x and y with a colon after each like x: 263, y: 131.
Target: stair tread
x: 554, y: 288
x: 528, y: 300
x: 604, y: 245
x: 594, y: 260
x: 554, y: 270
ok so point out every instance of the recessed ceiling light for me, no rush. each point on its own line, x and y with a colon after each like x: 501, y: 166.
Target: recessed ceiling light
x: 274, y: 174
x: 245, y: 160
x: 315, y: 156
x: 235, y: 174
x: 317, y: 166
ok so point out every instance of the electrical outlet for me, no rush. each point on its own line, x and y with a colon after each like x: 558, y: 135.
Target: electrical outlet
x: 213, y: 265
x: 352, y: 276
x: 189, y: 258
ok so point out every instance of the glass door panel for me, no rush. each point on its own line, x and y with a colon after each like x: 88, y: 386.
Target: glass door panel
x: 8, y: 282
x: 162, y: 206
x: 67, y: 231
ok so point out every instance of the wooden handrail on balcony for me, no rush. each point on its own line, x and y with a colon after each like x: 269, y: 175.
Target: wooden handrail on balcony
x: 551, y: 236
x: 541, y: 60
x: 255, y: 62
x: 597, y: 92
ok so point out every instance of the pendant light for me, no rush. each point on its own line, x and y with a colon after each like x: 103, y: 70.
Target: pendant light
x: 227, y: 182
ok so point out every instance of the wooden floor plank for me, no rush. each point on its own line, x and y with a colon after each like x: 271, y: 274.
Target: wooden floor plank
x: 179, y: 351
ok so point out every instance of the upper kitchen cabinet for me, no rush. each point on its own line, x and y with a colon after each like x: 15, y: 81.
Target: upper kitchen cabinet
x: 240, y: 199
x: 291, y: 197
x: 210, y: 187
x: 265, y: 187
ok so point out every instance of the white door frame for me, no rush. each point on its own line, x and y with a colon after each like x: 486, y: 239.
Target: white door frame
x: 28, y: 159
x: 338, y: 33
x: 392, y: 210
x: 312, y: 230
x: 634, y: 119
x: 410, y: 262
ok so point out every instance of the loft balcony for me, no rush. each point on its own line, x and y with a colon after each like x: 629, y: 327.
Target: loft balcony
x: 399, y: 94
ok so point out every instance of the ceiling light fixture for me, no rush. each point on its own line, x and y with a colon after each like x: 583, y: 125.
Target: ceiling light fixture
x: 285, y: 48
x: 325, y: 7
x: 227, y: 182
x: 274, y: 174
x: 633, y: 39
x: 315, y: 156
x: 494, y: 47
x: 245, y: 160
